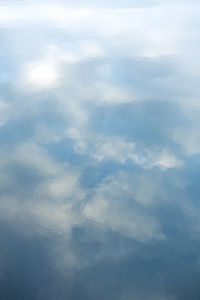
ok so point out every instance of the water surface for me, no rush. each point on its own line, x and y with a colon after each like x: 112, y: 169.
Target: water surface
x: 100, y: 150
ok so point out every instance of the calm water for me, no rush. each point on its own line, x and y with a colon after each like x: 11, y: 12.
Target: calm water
x: 100, y: 150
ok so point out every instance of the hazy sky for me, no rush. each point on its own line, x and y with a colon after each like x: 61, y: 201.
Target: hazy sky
x: 100, y: 150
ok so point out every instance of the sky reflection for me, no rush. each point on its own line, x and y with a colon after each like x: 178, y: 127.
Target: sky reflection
x: 100, y: 144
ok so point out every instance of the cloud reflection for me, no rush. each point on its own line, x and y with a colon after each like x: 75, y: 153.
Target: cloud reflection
x: 99, y: 150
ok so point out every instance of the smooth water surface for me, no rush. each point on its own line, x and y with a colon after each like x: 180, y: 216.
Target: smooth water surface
x: 100, y: 150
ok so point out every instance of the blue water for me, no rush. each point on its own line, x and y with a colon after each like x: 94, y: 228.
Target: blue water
x: 99, y: 150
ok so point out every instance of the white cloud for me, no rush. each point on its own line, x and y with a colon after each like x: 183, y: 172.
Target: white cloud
x: 28, y: 14
x: 91, y: 49
x: 113, y: 148
x: 51, y: 205
x: 31, y: 155
x: 60, y: 181
x: 63, y: 186
x: 166, y: 160
x: 40, y: 75
x: 108, y: 94
x: 113, y: 207
x: 137, y: 32
x: 120, y: 150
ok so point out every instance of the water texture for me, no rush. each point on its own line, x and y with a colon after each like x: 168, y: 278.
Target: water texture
x: 99, y: 150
